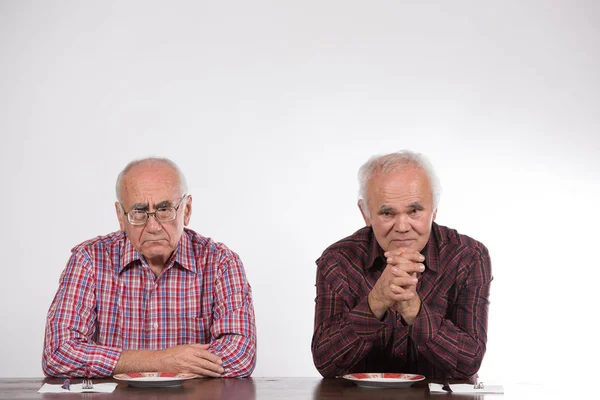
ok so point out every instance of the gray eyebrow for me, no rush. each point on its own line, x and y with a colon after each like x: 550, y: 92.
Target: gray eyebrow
x: 146, y: 207
x: 413, y: 206
x: 163, y: 204
x: 384, y: 208
x: 140, y: 206
x: 416, y: 205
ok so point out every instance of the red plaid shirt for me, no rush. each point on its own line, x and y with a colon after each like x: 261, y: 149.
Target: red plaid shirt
x: 109, y: 300
x: 446, y: 340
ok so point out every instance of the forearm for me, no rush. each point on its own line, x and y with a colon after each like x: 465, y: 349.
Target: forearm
x: 238, y: 354
x: 233, y: 334
x: 377, y: 306
x: 75, y: 359
x: 70, y: 326
x: 139, y: 360
x: 342, y: 340
x: 451, y: 329
x: 447, y: 346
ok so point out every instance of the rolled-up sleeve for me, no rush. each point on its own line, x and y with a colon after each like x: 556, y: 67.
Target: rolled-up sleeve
x: 233, y: 329
x: 69, y: 348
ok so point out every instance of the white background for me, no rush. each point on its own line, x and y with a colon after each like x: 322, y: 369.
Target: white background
x: 270, y: 107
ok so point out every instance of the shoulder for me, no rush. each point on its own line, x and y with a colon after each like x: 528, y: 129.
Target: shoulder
x: 93, y: 256
x: 100, y: 244
x: 461, y: 253
x: 450, y: 240
x: 207, y: 249
x: 353, y: 249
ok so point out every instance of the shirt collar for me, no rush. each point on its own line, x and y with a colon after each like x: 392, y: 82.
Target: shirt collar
x: 376, y: 258
x: 430, y: 251
x: 183, y: 255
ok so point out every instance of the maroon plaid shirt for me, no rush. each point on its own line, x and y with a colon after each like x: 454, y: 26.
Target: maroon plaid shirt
x: 446, y: 340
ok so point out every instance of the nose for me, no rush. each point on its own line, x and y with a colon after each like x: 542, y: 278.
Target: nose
x: 401, y: 223
x: 153, y: 225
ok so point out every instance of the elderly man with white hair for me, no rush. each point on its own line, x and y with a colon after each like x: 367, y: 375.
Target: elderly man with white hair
x: 403, y: 294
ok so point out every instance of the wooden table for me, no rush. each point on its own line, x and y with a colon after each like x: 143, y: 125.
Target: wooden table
x: 266, y: 389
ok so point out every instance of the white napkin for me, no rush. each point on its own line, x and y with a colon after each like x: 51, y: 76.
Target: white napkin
x: 76, y: 388
x: 466, y: 388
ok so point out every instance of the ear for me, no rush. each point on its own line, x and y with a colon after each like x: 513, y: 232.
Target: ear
x: 434, y: 215
x: 187, y: 211
x: 120, y: 216
x: 362, y: 207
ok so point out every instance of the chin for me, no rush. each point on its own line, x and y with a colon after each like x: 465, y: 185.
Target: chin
x: 156, y: 250
x: 402, y: 246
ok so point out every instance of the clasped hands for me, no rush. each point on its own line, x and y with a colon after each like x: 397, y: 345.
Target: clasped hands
x: 396, y: 288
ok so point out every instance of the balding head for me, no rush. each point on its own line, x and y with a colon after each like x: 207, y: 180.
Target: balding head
x: 151, y: 162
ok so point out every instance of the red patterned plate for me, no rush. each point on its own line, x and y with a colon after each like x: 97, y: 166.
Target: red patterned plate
x: 384, y: 380
x: 154, y: 379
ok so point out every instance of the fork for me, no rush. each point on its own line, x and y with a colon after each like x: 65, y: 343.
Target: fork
x: 87, y: 384
x: 446, y: 386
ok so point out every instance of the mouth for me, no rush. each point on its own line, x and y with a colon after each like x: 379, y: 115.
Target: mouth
x: 154, y: 241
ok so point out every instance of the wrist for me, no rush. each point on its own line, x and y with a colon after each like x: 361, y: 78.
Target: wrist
x: 378, y: 307
x: 159, y: 359
x: 410, y: 314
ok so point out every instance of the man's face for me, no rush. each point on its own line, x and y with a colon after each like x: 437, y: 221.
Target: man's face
x: 147, y: 188
x: 401, y: 208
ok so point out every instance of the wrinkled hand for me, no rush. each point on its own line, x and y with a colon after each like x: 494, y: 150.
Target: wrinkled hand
x: 194, y: 358
x: 397, y: 286
x: 407, y: 263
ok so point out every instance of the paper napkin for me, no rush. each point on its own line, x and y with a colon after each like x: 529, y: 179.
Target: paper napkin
x: 76, y: 388
x: 466, y: 388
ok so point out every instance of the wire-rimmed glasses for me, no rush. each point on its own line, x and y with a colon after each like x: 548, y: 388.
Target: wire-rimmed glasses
x: 162, y: 214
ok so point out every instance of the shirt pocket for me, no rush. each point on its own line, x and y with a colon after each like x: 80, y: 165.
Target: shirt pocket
x: 195, y: 329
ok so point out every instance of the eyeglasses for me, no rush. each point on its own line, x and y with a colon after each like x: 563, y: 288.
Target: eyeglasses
x: 163, y: 214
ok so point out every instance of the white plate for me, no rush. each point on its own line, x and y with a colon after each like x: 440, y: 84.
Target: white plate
x: 154, y: 379
x: 384, y: 380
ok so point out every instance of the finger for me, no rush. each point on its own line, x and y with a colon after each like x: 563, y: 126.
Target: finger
x: 207, y: 355
x: 394, y: 272
x: 404, y: 281
x: 205, y: 368
x: 401, y: 294
x: 408, y: 268
x: 402, y: 278
x: 401, y: 260
x: 206, y: 373
x: 201, y: 346
x: 210, y: 366
x: 404, y: 254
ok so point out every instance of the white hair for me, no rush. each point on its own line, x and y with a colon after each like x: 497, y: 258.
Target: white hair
x: 150, y: 161
x: 391, y: 162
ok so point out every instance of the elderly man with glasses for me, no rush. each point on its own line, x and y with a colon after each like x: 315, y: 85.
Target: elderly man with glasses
x: 155, y: 296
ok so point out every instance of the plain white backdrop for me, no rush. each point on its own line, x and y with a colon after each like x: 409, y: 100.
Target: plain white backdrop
x: 270, y: 107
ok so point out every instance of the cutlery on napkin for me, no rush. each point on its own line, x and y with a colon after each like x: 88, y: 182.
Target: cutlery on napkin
x: 77, y: 388
x: 466, y: 388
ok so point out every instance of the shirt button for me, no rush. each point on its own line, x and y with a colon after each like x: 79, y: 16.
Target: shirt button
x: 155, y: 325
